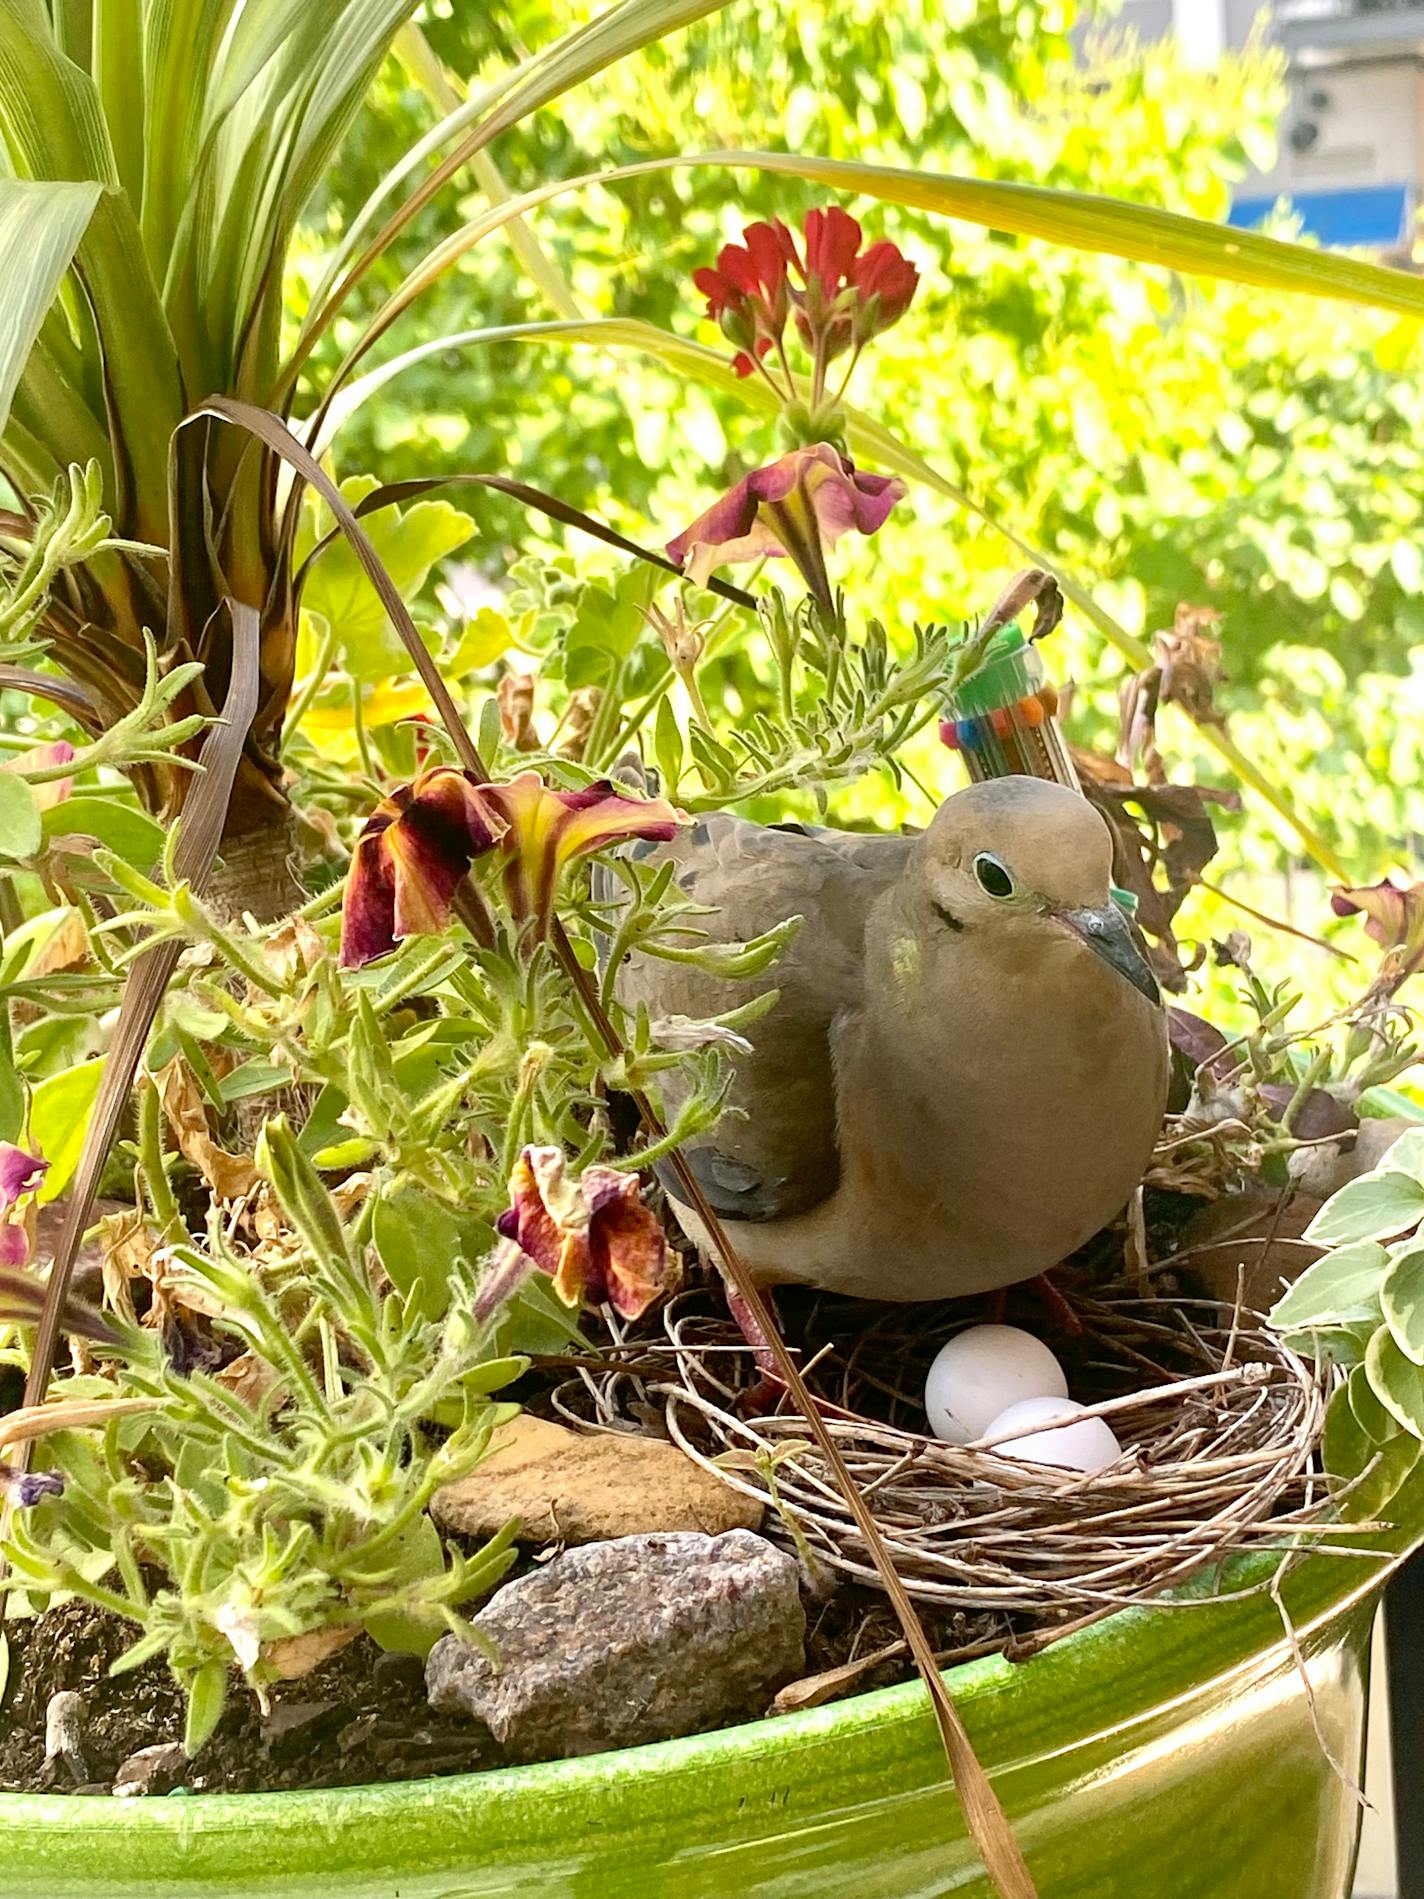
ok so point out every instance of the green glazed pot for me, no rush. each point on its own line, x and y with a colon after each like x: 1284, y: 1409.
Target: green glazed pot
x: 1169, y: 1753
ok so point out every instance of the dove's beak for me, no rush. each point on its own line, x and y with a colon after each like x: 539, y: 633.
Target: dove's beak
x: 1107, y: 935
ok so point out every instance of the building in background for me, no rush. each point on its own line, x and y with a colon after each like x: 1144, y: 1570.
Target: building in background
x: 1352, y: 139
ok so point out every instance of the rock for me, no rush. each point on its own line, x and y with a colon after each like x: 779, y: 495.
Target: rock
x: 642, y: 1639
x: 1325, y: 1170
x: 153, y: 1770
x: 64, y: 1732
x: 566, y: 1487
x: 1253, y: 1231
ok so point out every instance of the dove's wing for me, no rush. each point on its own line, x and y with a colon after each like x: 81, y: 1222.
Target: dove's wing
x: 779, y: 1155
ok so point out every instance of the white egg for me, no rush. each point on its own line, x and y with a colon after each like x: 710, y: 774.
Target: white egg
x: 1082, y: 1444
x: 981, y: 1372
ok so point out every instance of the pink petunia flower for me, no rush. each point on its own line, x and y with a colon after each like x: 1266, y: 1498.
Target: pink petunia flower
x: 798, y: 507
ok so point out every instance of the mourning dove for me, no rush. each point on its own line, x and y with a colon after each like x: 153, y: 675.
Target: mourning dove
x: 966, y: 1068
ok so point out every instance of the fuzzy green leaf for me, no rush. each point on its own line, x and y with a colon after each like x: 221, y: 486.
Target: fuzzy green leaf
x: 207, y: 1697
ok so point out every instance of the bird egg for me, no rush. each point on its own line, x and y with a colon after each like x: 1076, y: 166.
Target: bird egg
x: 981, y: 1372
x: 1083, y: 1443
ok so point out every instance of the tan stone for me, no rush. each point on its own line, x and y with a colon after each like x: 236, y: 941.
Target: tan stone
x: 569, y: 1488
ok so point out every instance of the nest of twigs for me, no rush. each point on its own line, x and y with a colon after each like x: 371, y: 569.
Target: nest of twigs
x: 1219, y: 1424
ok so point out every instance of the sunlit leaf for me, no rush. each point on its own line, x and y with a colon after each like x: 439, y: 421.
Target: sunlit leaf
x: 409, y: 542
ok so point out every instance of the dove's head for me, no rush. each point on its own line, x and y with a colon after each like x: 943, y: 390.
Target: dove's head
x: 1027, y: 865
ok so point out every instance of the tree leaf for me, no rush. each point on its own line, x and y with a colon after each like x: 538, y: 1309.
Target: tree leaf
x: 59, y: 1119
x: 1343, y: 1285
x: 1396, y: 1381
x: 1402, y: 1300
x: 20, y: 824
x: 41, y: 222
x: 1374, y: 1207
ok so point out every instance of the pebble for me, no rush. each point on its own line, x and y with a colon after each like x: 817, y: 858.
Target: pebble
x: 574, y: 1487
x: 152, y: 1770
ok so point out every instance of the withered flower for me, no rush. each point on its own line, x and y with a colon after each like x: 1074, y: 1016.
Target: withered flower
x: 593, y: 1236
x: 422, y: 840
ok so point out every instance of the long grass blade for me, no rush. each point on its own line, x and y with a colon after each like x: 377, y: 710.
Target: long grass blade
x: 202, y: 824
x: 41, y: 223
x: 985, y: 1818
x: 1074, y: 219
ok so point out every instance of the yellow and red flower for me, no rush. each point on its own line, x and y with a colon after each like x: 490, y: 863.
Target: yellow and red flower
x: 421, y: 841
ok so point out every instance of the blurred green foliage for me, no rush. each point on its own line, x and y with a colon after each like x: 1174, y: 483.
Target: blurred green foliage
x: 1163, y: 441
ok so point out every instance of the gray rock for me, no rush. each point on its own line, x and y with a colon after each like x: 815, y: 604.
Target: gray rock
x: 64, y: 1732
x: 153, y: 1770
x: 641, y: 1639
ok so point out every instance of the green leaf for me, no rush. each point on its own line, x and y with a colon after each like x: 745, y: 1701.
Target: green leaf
x: 1372, y: 1469
x: 41, y: 222
x: 59, y: 1120
x: 484, y: 639
x: 207, y: 1697
x: 420, y: 1241
x: 12, y: 1093
x: 20, y: 827
x: 1376, y: 1423
x: 1402, y: 1300
x: 1406, y: 1156
x: 1374, y: 1207
x: 1343, y: 1285
x: 1396, y: 1381
x: 667, y: 746
x: 121, y: 827
x: 409, y: 542
x: 605, y: 630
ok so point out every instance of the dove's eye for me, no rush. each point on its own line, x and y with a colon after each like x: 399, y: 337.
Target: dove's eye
x: 993, y: 875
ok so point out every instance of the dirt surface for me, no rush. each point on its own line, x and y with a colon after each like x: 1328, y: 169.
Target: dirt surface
x: 360, y: 1718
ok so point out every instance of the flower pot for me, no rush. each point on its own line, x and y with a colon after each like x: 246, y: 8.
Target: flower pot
x: 1169, y: 1751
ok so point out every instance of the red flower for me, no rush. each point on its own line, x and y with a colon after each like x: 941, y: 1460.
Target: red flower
x: 593, y: 1235
x: 845, y: 295
x: 832, y: 240
x: 885, y: 274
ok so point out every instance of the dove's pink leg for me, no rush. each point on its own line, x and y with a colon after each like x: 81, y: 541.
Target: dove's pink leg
x: 1057, y: 1305
x: 750, y: 1328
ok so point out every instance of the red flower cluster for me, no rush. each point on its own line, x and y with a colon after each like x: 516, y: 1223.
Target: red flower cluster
x: 840, y: 295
